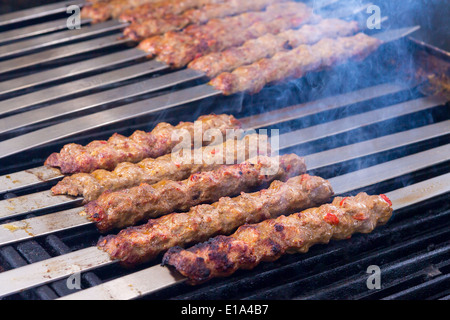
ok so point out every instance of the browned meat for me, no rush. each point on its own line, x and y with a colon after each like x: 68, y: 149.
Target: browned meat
x: 127, y: 207
x: 104, y: 10
x: 268, y: 240
x: 140, y: 30
x: 177, y: 49
x: 295, y: 63
x: 140, y: 244
x: 269, y: 44
x: 152, y: 25
x: 107, y: 155
x: 127, y: 175
x: 160, y: 9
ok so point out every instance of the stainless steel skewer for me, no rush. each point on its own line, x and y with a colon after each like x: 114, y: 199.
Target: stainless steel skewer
x: 23, y: 47
x: 37, y: 12
x: 71, y: 70
x: 78, y: 86
x: 36, y: 29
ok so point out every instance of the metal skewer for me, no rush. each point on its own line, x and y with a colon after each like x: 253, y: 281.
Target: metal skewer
x: 23, y: 47
x: 36, y: 29
x: 37, y: 12
x: 70, y: 70
x: 78, y: 86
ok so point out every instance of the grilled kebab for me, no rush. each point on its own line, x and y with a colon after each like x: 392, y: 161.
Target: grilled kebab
x: 143, y: 243
x: 126, y: 175
x: 127, y: 207
x: 129, y: 10
x: 177, y: 49
x: 161, y: 9
x: 295, y: 63
x: 75, y: 158
x: 269, y: 44
x: 152, y: 25
x: 251, y: 244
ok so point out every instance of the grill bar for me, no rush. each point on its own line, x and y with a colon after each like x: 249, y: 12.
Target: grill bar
x: 74, y: 87
x: 39, y: 226
x: 33, y: 202
x: 146, y: 281
x: 131, y: 286
x: 325, y: 104
x: 358, y: 121
x: 59, y: 267
x: 53, y: 269
x: 29, y: 178
x: 25, y: 119
x: 68, y: 219
x: 37, y: 29
x: 45, y: 200
x: 23, y: 47
x: 37, y: 12
x: 67, y: 71
x: 382, y: 144
x: 356, y: 180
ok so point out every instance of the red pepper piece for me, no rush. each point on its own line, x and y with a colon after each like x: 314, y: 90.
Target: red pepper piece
x: 385, y: 198
x: 342, y: 201
x: 331, y: 219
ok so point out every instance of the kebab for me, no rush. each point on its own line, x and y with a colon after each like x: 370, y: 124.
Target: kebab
x: 119, y: 209
x: 269, y: 44
x: 168, y: 167
x: 140, y: 244
x: 295, y: 63
x: 140, y: 145
x: 100, y: 11
x: 161, y: 9
x: 177, y: 49
x: 154, y: 25
x: 252, y: 244
x: 138, y: 9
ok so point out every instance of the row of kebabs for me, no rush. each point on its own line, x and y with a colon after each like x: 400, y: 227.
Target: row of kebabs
x: 240, y: 45
x: 182, y: 203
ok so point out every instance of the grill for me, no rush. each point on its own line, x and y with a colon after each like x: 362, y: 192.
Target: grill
x: 384, y: 129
